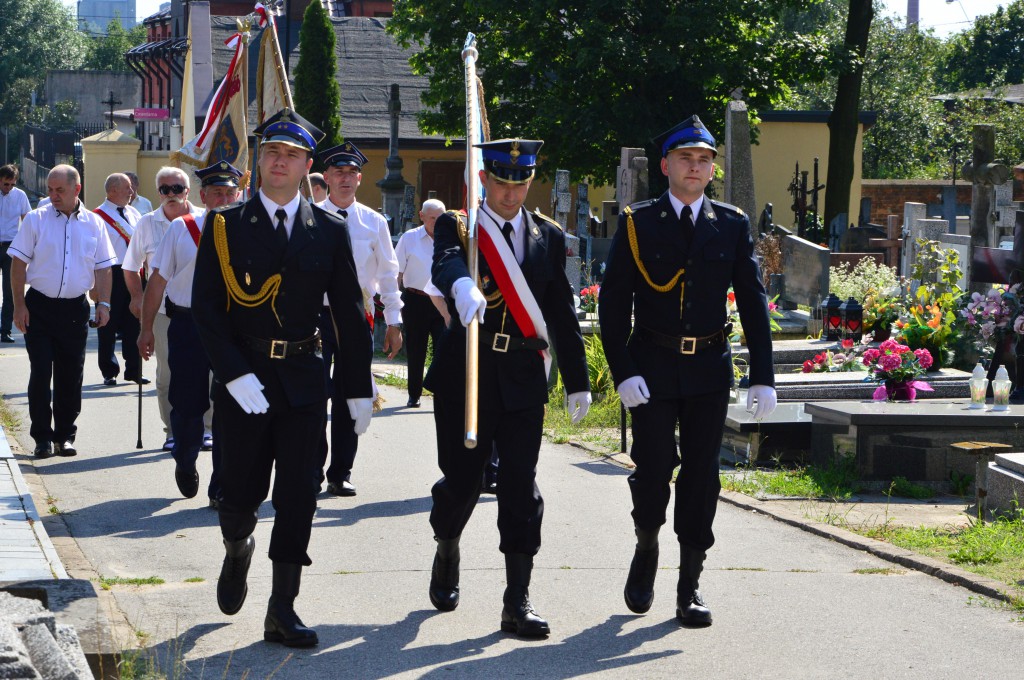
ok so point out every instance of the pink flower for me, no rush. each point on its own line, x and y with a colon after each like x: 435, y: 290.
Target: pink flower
x: 847, y: 344
x: 902, y: 349
x: 889, y: 362
x: 871, y: 355
x: 808, y: 366
x: 889, y: 345
x: 1018, y: 325
x: 924, y: 357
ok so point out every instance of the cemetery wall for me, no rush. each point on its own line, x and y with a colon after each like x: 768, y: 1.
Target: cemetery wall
x: 888, y: 195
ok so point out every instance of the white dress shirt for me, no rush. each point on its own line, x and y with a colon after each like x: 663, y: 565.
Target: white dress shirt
x: 290, y: 209
x: 175, y: 257
x: 126, y: 223
x: 374, y: 254
x: 142, y: 204
x: 62, y: 253
x: 695, y: 207
x: 148, y: 234
x: 13, y: 205
x: 415, y: 253
x: 518, y: 230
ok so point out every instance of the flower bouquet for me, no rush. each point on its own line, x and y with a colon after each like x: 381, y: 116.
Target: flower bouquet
x: 832, y: 362
x: 588, y: 298
x: 990, y: 317
x: 896, y: 367
x: 880, y: 313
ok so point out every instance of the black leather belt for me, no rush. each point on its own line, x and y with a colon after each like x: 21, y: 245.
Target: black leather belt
x: 416, y: 291
x: 502, y: 342
x: 685, y: 345
x: 171, y: 309
x: 282, y: 349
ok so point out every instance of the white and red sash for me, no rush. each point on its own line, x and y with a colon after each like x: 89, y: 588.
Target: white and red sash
x: 508, y: 275
x: 193, y: 228
x: 114, y: 225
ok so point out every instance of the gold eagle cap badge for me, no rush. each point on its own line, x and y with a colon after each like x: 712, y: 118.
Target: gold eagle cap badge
x: 514, y: 153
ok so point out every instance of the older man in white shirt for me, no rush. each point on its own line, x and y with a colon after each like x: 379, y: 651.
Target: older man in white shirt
x: 173, y: 186
x: 120, y: 219
x: 423, y: 318
x: 14, y: 206
x: 377, y: 268
x: 62, y: 252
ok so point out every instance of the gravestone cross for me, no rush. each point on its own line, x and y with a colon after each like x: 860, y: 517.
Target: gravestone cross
x: 892, y: 244
x: 111, y: 102
x: 632, y: 184
x: 392, y: 187
x: 984, y: 173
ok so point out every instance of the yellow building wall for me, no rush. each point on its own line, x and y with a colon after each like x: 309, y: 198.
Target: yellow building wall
x: 149, y: 164
x: 102, y: 155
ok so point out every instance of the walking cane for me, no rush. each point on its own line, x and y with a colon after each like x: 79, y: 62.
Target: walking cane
x: 138, y: 443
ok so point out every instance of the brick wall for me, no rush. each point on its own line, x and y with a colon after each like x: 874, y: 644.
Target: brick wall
x: 888, y: 195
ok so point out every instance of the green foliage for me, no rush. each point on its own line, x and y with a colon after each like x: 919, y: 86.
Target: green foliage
x: 591, y: 76
x: 601, y: 384
x: 835, y: 481
x: 866, y: 278
x: 962, y: 484
x: 905, y: 489
x: 317, y: 96
x: 106, y: 52
x: 989, y: 51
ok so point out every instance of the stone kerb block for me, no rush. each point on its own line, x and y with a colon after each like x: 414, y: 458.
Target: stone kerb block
x: 805, y: 265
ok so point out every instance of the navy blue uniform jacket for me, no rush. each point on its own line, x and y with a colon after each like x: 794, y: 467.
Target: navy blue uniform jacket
x: 514, y: 380
x: 720, y: 255
x: 318, y: 259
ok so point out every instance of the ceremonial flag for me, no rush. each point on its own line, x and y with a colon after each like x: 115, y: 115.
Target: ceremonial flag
x: 224, y: 134
x: 271, y: 84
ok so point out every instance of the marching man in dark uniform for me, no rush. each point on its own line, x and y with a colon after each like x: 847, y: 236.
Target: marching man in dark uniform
x: 261, y: 272
x: 173, y: 268
x: 525, y: 305
x: 671, y: 264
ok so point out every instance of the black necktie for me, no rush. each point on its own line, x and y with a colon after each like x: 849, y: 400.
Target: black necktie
x: 343, y: 213
x: 507, y: 233
x: 120, y: 211
x: 282, y: 232
x: 687, y: 220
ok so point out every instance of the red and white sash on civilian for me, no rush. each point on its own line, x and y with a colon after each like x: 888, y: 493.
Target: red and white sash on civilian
x: 121, y: 231
x: 508, y: 275
x: 193, y: 228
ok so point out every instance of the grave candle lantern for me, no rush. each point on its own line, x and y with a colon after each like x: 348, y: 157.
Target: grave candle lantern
x: 831, y: 322
x: 851, y: 314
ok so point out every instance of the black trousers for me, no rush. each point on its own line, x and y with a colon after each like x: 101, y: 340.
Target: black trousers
x: 189, y: 394
x: 422, y: 321
x: 344, y: 441
x: 124, y: 322
x: 7, y: 309
x: 700, y: 419
x: 283, y: 441
x: 55, y: 340
x: 516, y: 435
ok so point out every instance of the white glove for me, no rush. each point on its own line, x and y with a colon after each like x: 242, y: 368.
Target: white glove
x: 765, y: 398
x: 360, y: 409
x: 469, y: 301
x: 633, y: 391
x: 248, y: 392
x: 577, y: 405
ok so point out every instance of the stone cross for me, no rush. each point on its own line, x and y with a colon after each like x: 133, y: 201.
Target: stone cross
x: 561, y: 199
x: 392, y: 187
x: 583, y: 225
x: 632, y: 183
x: 984, y: 173
x: 111, y: 102
x: 739, y: 163
x: 892, y: 243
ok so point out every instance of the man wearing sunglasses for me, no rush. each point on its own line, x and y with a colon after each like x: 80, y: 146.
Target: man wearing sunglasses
x: 173, y: 187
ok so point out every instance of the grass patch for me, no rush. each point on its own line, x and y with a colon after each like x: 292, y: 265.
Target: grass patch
x: 838, y: 481
x: 599, y: 428
x: 902, y: 488
x: 804, y: 571
x: 194, y: 579
x: 994, y: 549
x: 882, y: 571
x: 8, y: 418
x: 392, y: 380
x: 744, y: 569
x: 107, y: 583
x: 344, y: 572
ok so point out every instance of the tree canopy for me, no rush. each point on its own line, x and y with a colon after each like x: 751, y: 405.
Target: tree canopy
x: 106, y: 53
x: 591, y: 76
x: 317, y: 96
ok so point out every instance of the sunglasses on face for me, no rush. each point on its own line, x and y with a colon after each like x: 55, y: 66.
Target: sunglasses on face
x: 168, y: 189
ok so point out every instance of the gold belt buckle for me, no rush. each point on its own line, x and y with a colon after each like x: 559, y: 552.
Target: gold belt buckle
x: 692, y: 345
x: 504, y: 339
x: 278, y: 349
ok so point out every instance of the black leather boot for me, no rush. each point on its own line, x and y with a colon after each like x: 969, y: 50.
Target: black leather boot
x: 639, y: 592
x: 444, y: 577
x: 282, y: 623
x: 690, y: 607
x: 231, y: 587
x: 518, y: 615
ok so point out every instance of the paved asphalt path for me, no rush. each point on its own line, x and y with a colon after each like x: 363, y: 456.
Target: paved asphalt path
x: 787, y: 604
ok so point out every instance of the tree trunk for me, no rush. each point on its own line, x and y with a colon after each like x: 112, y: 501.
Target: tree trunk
x: 843, y: 123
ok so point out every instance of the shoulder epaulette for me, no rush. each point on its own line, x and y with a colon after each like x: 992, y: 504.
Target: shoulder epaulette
x: 728, y: 206
x: 640, y: 205
x: 544, y: 218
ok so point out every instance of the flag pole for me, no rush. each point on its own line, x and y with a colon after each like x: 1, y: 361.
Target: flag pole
x: 469, y: 56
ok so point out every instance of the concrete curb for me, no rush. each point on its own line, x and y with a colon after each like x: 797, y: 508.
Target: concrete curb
x: 886, y: 551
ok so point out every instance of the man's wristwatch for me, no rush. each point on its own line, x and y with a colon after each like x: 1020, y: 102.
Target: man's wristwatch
x: 103, y: 304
